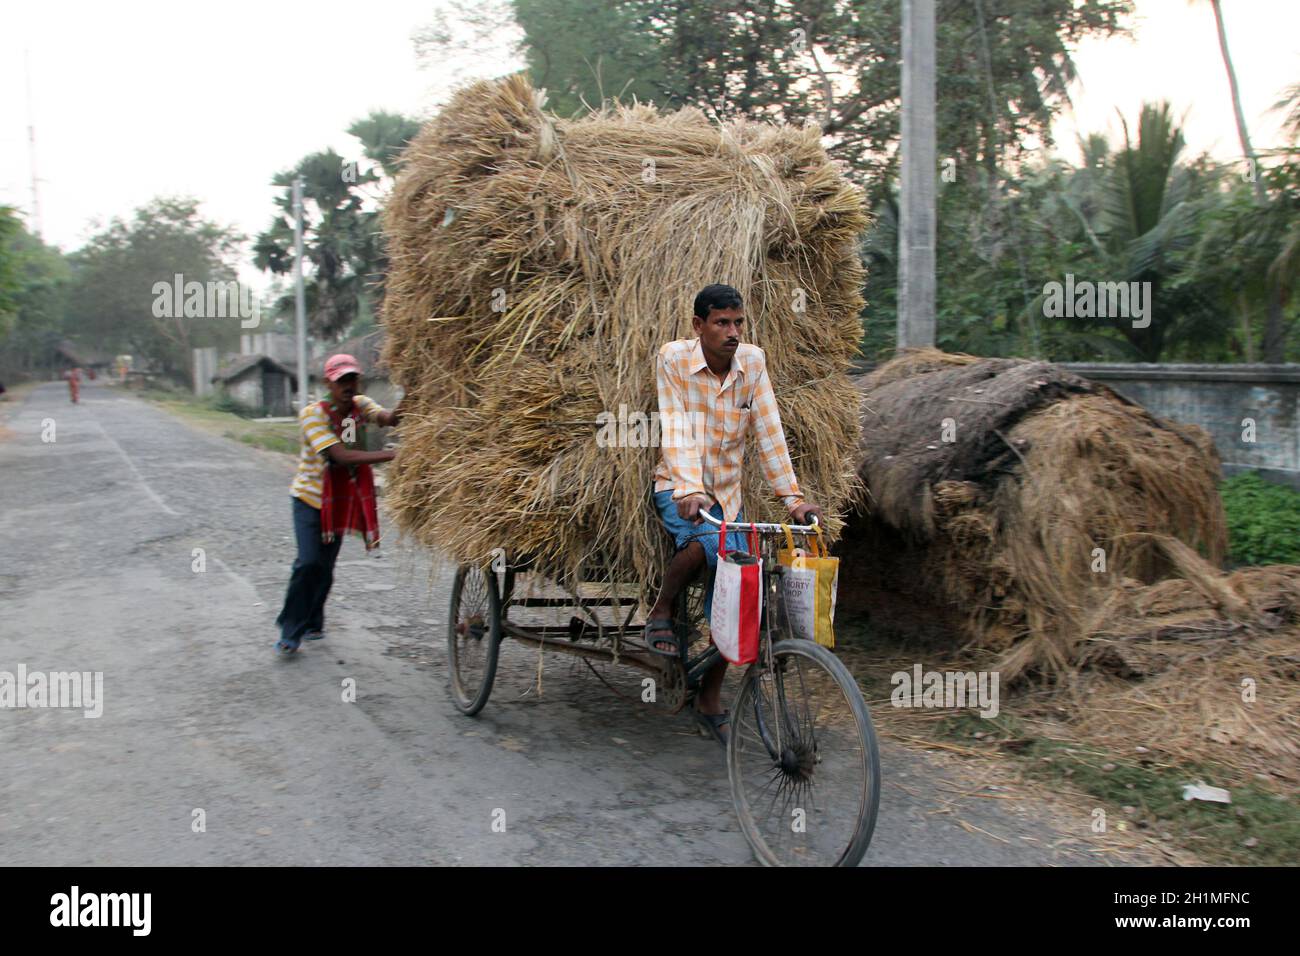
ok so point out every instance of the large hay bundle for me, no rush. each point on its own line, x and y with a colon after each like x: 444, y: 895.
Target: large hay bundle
x: 999, y: 486
x: 538, y: 264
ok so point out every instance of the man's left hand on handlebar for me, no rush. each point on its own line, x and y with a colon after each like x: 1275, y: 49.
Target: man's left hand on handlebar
x: 802, y: 513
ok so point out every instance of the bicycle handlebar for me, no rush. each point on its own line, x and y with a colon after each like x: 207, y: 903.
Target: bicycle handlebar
x: 762, y: 527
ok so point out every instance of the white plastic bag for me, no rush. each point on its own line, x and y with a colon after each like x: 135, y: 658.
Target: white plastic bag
x: 737, y: 605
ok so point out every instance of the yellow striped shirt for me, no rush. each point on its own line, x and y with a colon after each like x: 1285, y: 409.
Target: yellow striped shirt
x: 317, y: 435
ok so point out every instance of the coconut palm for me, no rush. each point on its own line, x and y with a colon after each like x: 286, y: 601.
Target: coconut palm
x: 336, y: 240
x: 1242, y: 133
x: 341, y: 238
x: 1285, y: 267
x: 1136, y: 212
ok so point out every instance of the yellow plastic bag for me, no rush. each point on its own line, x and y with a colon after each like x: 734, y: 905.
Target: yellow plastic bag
x: 810, y: 587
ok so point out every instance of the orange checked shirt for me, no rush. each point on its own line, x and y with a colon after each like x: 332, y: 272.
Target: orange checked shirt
x: 704, y: 422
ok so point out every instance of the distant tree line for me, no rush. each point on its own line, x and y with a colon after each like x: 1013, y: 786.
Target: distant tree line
x: 1216, y: 246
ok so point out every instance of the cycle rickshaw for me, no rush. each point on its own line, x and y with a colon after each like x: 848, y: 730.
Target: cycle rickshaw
x: 802, y: 757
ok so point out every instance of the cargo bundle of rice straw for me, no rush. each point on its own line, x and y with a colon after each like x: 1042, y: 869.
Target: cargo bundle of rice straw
x: 537, y: 266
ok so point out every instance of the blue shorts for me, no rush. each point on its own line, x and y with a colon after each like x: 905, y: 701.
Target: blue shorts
x: 684, y: 532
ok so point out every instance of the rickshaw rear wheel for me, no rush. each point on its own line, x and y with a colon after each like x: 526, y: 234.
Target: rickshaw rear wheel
x: 473, y: 637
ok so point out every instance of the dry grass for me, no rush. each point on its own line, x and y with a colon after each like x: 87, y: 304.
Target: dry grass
x: 995, y: 544
x: 1046, y: 477
x: 538, y: 264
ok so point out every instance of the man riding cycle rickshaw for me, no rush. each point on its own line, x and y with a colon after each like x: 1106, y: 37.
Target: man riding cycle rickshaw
x: 714, y: 391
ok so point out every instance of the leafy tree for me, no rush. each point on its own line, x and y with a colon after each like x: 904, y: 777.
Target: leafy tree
x: 469, y: 39
x: 1137, y: 213
x: 1004, y: 70
x: 10, y: 274
x: 37, y: 278
x: 1247, y: 254
x: 383, y: 136
x: 1004, y: 65
x: 583, y: 52
x: 1146, y: 219
x: 1274, y: 339
x: 1290, y: 104
x: 112, y: 300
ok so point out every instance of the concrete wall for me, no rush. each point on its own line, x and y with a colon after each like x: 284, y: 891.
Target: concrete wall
x: 277, y: 345
x: 205, y: 366
x: 1221, y: 399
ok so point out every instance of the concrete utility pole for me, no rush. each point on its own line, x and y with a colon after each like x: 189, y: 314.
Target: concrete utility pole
x: 300, y: 301
x: 916, y: 323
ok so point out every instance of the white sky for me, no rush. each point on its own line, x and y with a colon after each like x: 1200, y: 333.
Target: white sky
x: 139, y: 99
x: 1174, y: 55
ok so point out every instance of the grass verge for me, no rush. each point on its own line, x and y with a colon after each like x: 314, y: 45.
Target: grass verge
x: 273, y: 436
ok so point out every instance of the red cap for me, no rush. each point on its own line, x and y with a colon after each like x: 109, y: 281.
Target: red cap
x: 336, y: 366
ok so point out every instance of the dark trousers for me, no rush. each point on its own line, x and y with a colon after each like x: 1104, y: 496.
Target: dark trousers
x: 313, y: 574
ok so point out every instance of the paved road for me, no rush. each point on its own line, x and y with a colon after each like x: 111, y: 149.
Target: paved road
x: 97, y: 531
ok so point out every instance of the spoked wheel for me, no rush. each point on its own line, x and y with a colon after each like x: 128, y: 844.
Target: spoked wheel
x: 803, y: 762
x: 473, y: 637
x: 688, y: 614
x: 689, y: 622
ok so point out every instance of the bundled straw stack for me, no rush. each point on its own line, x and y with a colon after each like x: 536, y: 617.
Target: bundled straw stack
x: 538, y: 264
x: 1068, y: 533
x: 1018, y: 493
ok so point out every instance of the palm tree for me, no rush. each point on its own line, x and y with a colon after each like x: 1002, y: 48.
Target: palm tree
x: 336, y: 241
x: 1242, y: 134
x: 1143, y: 215
x: 383, y: 136
x: 341, y: 238
x: 1290, y: 104
x: 1134, y: 206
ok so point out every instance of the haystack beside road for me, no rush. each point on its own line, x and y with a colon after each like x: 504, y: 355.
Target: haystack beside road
x: 1043, y: 525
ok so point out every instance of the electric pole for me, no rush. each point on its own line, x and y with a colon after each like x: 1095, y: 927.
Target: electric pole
x: 916, y: 321
x: 300, y: 301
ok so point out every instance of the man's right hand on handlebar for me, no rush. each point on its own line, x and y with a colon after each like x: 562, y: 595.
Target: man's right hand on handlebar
x: 689, y: 508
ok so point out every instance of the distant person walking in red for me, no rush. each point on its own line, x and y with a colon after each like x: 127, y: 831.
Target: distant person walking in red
x: 73, y: 375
